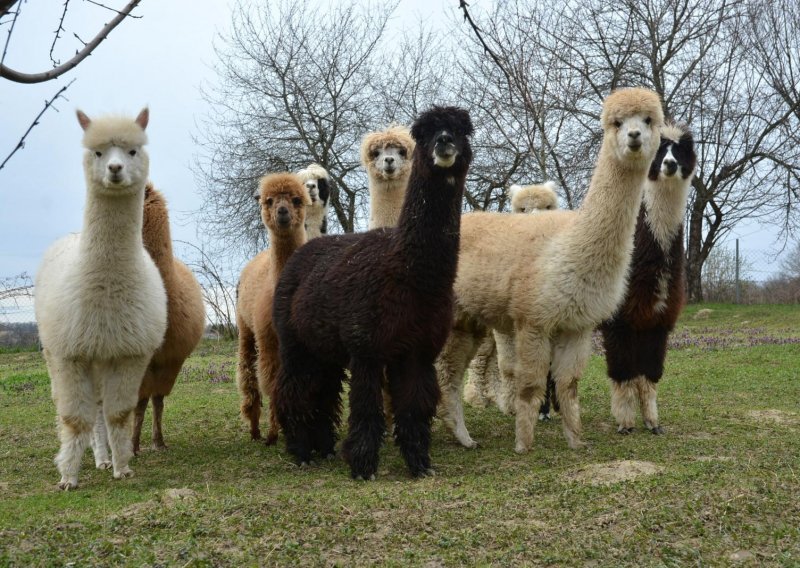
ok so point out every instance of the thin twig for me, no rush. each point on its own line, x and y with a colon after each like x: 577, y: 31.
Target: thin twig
x: 79, y: 39
x: 47, y: 104
x: 10, y: 31
x: 463, y: 5
x: 109, y: 8
x: 20, y: 77
x: 58, y: 33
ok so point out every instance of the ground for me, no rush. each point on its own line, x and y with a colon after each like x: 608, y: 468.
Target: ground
x: 720, y: 488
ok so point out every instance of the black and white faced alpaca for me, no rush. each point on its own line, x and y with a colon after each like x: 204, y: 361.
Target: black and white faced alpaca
x: 317, y: 183
x: 635, y: 338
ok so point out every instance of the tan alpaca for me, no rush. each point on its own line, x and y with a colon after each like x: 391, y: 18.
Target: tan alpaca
x: 283, y: 201
x: 186, y: 316
x: 387, y: 157
x: 546, y: 302
x: 484, y: 384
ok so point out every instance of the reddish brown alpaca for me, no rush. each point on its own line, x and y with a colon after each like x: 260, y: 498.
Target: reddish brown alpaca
x: 185, y: 316
x: 283, y: 201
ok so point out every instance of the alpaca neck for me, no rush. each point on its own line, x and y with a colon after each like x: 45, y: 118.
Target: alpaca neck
x: 429, y: 224
x: 157, y: 241
x: 386, y: 201
x: 112, y: 230
x: 283, y: 244
x: 665, y: 204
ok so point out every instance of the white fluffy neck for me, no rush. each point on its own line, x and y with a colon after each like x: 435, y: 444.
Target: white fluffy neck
x: 112, y: 228
x: 386, y: 201
x: 665, y: 203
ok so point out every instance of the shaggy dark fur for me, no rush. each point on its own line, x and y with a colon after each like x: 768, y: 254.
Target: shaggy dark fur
x: 374, y: 301
x: 635, y: 338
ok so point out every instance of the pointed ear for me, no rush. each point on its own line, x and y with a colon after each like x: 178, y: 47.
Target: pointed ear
x: 143, y: 118
x: 550, y: 184
x: 513, y: 189
x: 83, y: 120
x: 257, y: 196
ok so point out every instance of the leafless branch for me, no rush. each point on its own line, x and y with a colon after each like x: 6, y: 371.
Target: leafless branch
x: 10, y: 30
x: 109, y: 8
x: 47, y: 104
x: 58, y: 31
x: 21, y: 77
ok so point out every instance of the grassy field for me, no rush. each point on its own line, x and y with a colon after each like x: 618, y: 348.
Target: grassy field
x: 720, y: 488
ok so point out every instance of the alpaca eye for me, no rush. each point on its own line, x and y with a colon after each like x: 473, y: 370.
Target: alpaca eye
x: 373, y: 154
x: 297, y: 201
x: 648, y: 120
x: 617, y: 123
x: 269, y: 202
x: 403, y: 152
x: 132, y: 152
x: 98, y: 154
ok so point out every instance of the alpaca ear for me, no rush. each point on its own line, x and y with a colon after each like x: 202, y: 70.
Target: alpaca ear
x: 550, y: 184
x: 83, y: 120
x: 323, y: 189
x: 513, y: 190
x: 257, y: 196
x: 143, y: 118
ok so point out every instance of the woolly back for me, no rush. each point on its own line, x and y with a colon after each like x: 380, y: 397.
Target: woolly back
x: 155, y: 229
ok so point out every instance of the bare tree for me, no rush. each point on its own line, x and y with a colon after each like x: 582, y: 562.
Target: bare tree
x: 15, y: 287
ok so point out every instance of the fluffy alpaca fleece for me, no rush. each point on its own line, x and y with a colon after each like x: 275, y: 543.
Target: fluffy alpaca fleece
x: 378, y: 302
x: 571, y: 276
x: 100, y: 302
x: 185, y: 316
x: 385, y: 155
x: 283, y: 201
x: 318, y: 185
x: 635, y: 338
x: 485, y: 384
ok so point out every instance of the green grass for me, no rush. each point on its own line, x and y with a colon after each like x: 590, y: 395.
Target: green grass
x: 728, y: 484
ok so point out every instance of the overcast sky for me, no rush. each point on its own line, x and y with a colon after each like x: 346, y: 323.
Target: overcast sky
x: 160, y: 60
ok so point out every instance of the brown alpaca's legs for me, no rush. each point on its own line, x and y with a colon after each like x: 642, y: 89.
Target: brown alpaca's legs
x: 246, y: 380
x: 623, y: 405
x: 158, y: 411
x: 477, y: 390
x: 450, y: 367
x: 532, y: 363
x: 506, y: 362
x: 571, y: 352
x: 141, y: 407
x: 267, y: 372
x: 647, y: 391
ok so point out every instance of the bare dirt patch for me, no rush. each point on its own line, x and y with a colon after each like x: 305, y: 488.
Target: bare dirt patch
x: 775, y: 416
x: 614, y: 472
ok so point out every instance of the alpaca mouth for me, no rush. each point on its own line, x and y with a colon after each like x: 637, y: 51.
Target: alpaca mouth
x: 635, y: 146
x: 444, y: 155
x: 389, y: 170
x: 313, y: 199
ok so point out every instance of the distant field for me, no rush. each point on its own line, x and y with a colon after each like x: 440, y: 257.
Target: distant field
x: 720, y: 488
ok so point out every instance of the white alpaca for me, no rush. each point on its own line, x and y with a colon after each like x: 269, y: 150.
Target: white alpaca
x: 318, y: 186
x: 571, y: 275
x: 533, y: 198
x: 386, y: 156
x: 100, y: 302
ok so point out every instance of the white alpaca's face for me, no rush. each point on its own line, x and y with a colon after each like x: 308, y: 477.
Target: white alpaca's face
x: 388, y: 161
x: 116, y: 168
x: 636, y: 138
x: 312, y: 186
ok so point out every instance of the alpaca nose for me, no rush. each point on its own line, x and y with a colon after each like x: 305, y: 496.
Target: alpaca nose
x: 634, y: 134
x: 444, y: 138
x: 114, y: 168
x: 283, y: 211
x: 671, y: 166
x: 389, y: 160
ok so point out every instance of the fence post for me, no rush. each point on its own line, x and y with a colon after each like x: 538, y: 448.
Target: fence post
x: 738, y: 282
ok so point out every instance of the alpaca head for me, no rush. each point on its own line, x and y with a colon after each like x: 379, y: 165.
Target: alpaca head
x: 533, y: 198
x: 387, y: 154
x: 115, y: 161
x: 442, y: 136
x: 632, y: 119
x: 317, y: 184
x: 283, y: 201
x: 676, y: 158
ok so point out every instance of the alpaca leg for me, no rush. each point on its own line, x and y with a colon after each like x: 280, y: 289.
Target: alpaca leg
x: 506, y: 362
x: 267, y: 370
x: 247, y: 381
x: 99, y: 441
x: 450, y: 366
x: 121, y: 380
x: 158, y: 412
x: 76, y: 407
x: 550, y: 399
x: 366, y: 423
x: 138, y: 422
x: 571, y: 353
x: 533, y: 358
x: 647, y: 391
x: 476, y: 389
x: 328, y: 402
x: 492, y: 375
x: 415, y: 394
x: 623, y: 405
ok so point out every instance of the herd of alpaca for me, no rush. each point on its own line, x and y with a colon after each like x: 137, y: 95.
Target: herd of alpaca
x: 399, y: 311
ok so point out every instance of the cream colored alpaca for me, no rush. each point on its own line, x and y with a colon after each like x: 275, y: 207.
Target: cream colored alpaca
x: 317, y: 183
x: 484, y: 384
x: 100, y: 302
x: 546, y: 302
x: 386, y: 156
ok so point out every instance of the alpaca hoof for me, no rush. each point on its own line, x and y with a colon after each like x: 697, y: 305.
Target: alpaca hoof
x: 625, y: 431
x: 330, y: 456
x: 103, y: 465
x: 124, y: 473
x: 429, y: 472
x: 305, y: 464
x: 68, y: 484
x: 544, y: 417
x: 159, y: 446
x: 521, y: 449
x: 270, y: 440
x: 361, y: 478
x: 576, y: 444
x: 657, y: 430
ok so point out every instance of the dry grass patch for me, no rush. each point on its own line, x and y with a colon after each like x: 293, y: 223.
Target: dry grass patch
x: 614, y: 472
x: 774, y: 416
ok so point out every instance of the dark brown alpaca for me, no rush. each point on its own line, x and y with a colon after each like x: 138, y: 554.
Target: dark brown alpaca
x: 374, y: 302
x: 283, y: 201
x: 185, y: 316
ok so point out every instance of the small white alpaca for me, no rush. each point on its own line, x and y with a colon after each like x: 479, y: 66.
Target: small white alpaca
x: 100, y: 302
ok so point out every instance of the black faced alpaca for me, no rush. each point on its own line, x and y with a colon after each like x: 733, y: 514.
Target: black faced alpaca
x: 374, y: 302
x: 635, y: 338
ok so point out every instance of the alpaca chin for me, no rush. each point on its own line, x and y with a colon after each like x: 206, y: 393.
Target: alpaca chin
x: 444, y: 161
